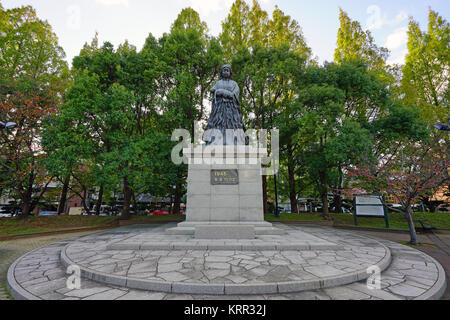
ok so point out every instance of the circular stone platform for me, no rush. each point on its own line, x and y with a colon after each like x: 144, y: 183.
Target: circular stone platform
x: 144, y: 262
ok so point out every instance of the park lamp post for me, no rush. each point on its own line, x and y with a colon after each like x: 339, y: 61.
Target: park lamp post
x: 8, y: 125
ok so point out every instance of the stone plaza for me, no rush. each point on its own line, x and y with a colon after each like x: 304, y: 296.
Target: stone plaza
x: 307, y: 262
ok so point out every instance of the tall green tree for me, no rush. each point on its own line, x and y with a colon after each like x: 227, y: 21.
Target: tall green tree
x: 353, y: 43
x: 29, y: 47
x: 253, y: 40
x: 283, y: 30
x: 95, y: 125
x: 33, y: 77
x: 427, y: 67
x: 191, y: 62
x: 188, y: 19
x: 246, y: 27
x: 266, y: 77
x: 236, y: 29
x: 344, y: 111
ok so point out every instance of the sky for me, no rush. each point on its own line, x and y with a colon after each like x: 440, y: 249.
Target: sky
x: 76, y: 21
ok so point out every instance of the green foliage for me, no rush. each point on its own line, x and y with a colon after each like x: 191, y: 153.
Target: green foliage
x: 426, y: 70
x: 28, y: 47
x: 266, y: 76
x: 247, y: 27
x: 188, y: 19
x: 353, y: 43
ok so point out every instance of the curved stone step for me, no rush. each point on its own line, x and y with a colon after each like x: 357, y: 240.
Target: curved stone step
x: 220, y: 288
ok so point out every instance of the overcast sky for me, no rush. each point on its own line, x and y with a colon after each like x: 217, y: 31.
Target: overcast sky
x: 76, y: 21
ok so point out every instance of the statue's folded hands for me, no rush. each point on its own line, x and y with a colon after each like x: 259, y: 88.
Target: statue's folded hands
x: 224, y: 93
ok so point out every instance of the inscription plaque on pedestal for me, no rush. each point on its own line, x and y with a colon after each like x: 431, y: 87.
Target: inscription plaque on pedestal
x: 228, y: 176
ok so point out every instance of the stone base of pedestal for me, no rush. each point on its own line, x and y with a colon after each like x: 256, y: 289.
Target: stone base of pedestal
x: 259, y: 228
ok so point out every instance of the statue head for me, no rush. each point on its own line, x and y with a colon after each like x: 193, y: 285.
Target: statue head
x: 226, y: 72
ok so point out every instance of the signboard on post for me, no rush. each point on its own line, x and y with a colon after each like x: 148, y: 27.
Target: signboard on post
x: 369, y: 206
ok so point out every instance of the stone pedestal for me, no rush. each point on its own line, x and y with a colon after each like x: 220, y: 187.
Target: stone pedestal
x: 225, y: 190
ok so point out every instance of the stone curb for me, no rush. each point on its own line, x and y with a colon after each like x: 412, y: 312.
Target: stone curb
x: 224, y: 288
x: 229, y: 246
x: 14, y: 288
x: 440, y: 286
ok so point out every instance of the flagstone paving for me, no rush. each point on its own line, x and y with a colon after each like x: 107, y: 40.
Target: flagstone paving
x: 409, y: 274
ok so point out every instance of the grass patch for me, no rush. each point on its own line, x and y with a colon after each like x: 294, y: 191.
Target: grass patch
x: 11, y: 226
x: 294, y: 217
x: 440, y: 220
x: 420, y: 245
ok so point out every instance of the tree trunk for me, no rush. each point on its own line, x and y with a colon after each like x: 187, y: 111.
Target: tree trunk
x: 63, y: 197
x: 325, y: 212
x: 324, y: 195
x: 292, y: 191
x: 126, y: 200
x: 412, y: 229
x: 26, y: 203
x: 135, y: 207
x: 99, y: 201
x: 337, y: 202
x: 83, y: 201
x: 264, y: 187
x: 25, y: 209
x: 177, y: 199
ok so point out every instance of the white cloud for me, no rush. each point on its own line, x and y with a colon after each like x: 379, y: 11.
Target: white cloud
x: 206, y: 7
x: 398, y: 58
x: 376, y: 20
x: 113, y: 2
x: 397, y: 39
x: 400, y: 17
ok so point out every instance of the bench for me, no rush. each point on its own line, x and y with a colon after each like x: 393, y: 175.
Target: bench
x: 426, y: 228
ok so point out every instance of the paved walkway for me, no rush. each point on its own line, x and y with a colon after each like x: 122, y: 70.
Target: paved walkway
x: 435, y: 245
x: 11, y: 250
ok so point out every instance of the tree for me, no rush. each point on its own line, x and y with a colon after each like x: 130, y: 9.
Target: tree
x: 266, y: 78
x: 427, y: 68
x: 94, y: 126
x: 353, y: 43
x: 191, y: 63
x: 406, y: 175
x: 188, y: 19
x: 236, y: 29
x: 343, y: 111
x: 28, y: 47
x: 253, y: 41
x: 247, y: 27
x: 22, y: 155
x: 283, y: 30
x: 33, y: 77
x: 329, y: 141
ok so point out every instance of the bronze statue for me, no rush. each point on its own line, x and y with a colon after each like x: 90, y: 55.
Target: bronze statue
x: 225, y: 125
